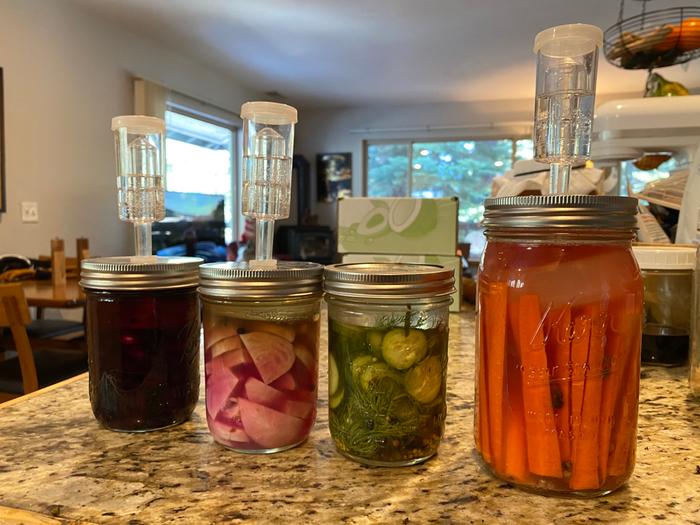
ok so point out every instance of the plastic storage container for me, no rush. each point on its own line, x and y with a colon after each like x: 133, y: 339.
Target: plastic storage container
x: 387, y: 354
x: 143, y: 340
x: 667, y: 271
x: 559, y: 331
x: 261, y: 339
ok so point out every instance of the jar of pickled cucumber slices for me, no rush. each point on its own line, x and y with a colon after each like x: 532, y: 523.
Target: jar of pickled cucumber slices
x: 558, y: 343
x: 387, y: 358
x: 261, y: 339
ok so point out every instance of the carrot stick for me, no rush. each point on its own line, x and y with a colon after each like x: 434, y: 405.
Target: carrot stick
x: 542, y: 443
x: 620, y: 333
x: 623, y: 439
x: 495, y: 312
x: 584, y: 474
x: 515, y: 446
x: 483, y: 438
x: 579, y: 355
x: 559, y: 354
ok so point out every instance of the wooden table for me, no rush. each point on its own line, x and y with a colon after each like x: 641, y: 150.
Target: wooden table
x: 43, y: 295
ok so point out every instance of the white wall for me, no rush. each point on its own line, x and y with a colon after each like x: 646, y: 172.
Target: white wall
x: 66, y: 74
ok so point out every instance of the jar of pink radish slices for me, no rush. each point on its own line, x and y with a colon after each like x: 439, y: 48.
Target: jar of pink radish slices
x: 261, y: 338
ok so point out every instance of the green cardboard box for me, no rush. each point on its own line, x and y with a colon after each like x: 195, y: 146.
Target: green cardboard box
x: 403, y: 226
x: 453, y: 262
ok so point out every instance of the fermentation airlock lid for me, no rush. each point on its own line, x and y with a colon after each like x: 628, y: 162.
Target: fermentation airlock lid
x: 388, y: 280
x: 253, y: 280
x: 139, y: 273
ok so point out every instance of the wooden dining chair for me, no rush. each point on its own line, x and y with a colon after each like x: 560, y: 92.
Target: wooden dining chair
x: 30, y: 369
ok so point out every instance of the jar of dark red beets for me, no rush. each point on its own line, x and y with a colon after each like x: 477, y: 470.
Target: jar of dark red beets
x: 143, y: 332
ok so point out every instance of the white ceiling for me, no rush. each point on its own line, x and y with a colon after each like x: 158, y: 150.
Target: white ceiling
x: 358, y: 52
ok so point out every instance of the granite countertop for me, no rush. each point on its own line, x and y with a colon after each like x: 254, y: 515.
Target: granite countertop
x: 57, y: 461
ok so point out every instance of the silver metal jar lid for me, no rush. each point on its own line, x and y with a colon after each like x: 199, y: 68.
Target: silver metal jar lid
x: 388, y: 280
x: 251, y: 280
x: 139, y: 273
x: 563, y: 211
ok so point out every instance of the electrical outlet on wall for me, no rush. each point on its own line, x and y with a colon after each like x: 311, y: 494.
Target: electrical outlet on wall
x: 30, y: 212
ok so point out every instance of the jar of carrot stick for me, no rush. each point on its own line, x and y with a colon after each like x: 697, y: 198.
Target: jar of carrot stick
x: 559, y: 334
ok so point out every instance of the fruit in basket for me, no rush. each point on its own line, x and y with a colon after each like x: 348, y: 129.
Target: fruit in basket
x: 658, y: 86
x: 689, y: 34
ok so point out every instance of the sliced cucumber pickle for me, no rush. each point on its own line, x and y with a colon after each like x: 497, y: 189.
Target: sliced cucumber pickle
x: 335, y: 399
x: 374, y: 373
x: 424, y: 380
x: 333, y: 376
x: 374, y: 340
x: 401, y: 349
x: 359, y: 364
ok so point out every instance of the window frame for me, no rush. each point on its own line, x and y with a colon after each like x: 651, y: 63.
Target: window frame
x: 217, y: 117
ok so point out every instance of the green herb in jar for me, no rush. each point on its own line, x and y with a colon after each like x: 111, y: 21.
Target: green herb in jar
x: 387, y: 390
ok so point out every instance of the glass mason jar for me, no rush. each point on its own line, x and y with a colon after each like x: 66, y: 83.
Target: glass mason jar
x: 143, y: 340
x: 261, y: 339
x: 667, y: 272
x: 387, y: 357
x: 558, y: 343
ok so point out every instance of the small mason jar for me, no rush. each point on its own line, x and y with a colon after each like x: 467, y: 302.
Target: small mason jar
x: 387, y: 358
x: 143, y: 340
x: 558, y: 343
x: 261, y: 339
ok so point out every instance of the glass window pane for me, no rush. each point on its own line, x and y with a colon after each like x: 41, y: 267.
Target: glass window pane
x: 637, y: 178
x: 199, y: 181
x: 387, y: 170
x: 524, y: 149
x: 465, y: 169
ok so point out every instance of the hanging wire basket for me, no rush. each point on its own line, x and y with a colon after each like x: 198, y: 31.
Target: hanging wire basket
x: 655, y: 39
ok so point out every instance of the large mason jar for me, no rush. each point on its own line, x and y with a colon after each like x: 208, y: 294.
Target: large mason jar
x: 261, y: 339
x: 387, y: 356
x: 558, y: 343
x: 143, y: 340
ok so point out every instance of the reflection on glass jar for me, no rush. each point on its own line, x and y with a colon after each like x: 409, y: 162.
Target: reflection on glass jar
x: 143, y: 340
x: 387, y: 360
x: 559, y: 333
x: 261, y: 338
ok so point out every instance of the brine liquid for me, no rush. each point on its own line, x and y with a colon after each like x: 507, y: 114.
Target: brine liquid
x: 380, y: 414
x: 267, y: 184
x: 559, y: 336
x: 143, y: 358
x: 141, y: 198
x: 563, y: 125
x: 261, y: 380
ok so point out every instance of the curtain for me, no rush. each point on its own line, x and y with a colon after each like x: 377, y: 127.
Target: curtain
x: 149, y: 98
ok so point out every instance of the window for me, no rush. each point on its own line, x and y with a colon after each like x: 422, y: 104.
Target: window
x: 637, y: 178
x: 199, y: 186
x: 463, y: 168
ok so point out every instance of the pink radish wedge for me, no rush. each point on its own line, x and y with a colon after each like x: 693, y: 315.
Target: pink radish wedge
x: 285, y: 332
x: 226, y: 432
x: 220, y: 387
x: 234, y: 359
x: 285, y: 382
x: 225, y: 345
x: 270, y: 428
x: 272, y: 355
x: 298, y: 409
x: 259, y: 392
x: 216, y: 331
x: 306, y: 357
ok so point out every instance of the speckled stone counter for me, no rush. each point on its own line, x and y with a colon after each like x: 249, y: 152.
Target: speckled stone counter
x: 57, y: 461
